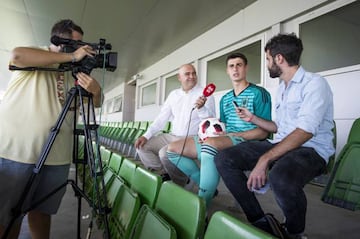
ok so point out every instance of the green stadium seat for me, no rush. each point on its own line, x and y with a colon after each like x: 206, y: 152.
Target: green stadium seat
x: 123, y: 214
x: 112, y: 190
x: 354, y: 134
x: 105, y: 155
x: 131, y: 152
x: 147, y: 185
x: 127, y: 171
x: 149, y: 224
x: 222, y: 225
x: 167, y: 127
x: 115, y: 162
x: 128, y: 139
x: 121, y: 136
x: 182, y: 209
x: 343, y: 188
x: 110, y: 133
x: 112, y: 137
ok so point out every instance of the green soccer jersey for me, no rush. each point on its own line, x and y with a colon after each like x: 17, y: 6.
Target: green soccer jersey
x: 255, y: 98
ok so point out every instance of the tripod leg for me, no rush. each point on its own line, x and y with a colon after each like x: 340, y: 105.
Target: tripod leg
x: 96, y: 168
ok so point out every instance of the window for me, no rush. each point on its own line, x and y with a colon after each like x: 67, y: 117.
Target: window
x: 171, y: 83
x: 118, y: 104
x: 148, y: 95
x: 332, y: 40
x: 216, y: 68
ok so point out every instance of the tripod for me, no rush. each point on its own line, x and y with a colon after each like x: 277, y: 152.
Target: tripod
x: 89, y: 130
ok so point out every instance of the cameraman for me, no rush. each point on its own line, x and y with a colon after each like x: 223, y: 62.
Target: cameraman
x: 30, y: 107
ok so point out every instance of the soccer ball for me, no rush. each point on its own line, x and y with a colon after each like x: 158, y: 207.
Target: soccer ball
x: 209, y: 126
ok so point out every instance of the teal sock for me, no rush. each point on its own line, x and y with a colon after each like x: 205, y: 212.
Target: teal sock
x: 186, y: 165
x: 209, y: 176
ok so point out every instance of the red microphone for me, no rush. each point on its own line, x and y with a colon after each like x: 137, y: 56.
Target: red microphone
x: 208, y: 90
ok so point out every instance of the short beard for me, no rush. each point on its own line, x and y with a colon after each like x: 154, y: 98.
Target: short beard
x: 275, y: 71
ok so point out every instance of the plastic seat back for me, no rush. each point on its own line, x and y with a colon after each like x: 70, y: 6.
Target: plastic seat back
x: 139, y: 132
x: 113, y: 189
x: 149, y: 224
x: 127, y: 171
x: 354, y: 135
x: 127, y: 141
x: 105, y: 155
x: 108, y: 177
x: 343, y: 187
x: 222, y: 225
x: 167, y: 127
x: 147, y: 185
x: 182, y: 209
x: 115, y: 162
x: 113, y: 131
x: 331, y: 162
x: 123, y: 214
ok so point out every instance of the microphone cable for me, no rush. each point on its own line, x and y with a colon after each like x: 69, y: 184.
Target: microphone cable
x: 186, y: 136
x: 208, y: 90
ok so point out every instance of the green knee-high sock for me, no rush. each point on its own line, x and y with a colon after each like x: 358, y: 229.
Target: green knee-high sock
x: 209, y: 176
x: 186, y: 165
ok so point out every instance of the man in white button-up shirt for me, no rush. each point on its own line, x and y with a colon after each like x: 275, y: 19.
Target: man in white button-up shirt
x: 185, y: 107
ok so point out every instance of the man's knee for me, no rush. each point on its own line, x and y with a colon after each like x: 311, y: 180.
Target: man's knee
x: 144, y: 149
x: 163, y: 152
x: 175, y: 147
x: 283, y: 180
x: 171, y: 147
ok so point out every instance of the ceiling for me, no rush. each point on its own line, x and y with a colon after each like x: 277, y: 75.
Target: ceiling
x: 141, y: 31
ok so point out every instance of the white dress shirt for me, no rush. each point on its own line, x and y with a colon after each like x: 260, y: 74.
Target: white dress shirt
x: 177, y: 109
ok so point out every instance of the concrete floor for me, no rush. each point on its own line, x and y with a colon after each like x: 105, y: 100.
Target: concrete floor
x: 323, y: 220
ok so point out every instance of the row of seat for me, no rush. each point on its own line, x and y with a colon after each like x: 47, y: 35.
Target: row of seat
x: 142, y: 206
x: 342, y: 183
x: 121, y: 136
x: 182, y: 214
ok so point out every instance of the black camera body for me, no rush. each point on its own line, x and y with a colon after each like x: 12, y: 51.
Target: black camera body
x: 102, y: 59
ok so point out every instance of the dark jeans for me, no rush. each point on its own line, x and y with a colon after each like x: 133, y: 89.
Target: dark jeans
x: 287, y: 177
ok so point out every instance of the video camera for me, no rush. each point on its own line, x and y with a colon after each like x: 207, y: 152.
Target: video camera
x: 102, y: 59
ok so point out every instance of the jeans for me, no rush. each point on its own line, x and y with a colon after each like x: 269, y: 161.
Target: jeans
x: 287, y: 177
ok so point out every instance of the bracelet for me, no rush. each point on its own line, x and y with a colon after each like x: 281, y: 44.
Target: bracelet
x: 73, y: 58
x: 251, y: 118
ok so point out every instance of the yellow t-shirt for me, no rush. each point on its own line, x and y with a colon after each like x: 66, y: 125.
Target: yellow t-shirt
x: 28, y: 111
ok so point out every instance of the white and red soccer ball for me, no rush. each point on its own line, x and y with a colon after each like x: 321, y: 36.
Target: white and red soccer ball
x: 208, y: 127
